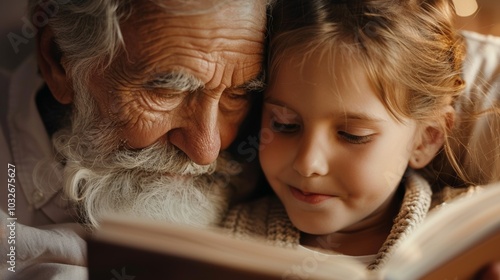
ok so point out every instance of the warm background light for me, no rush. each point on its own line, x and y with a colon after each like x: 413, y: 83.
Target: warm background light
x: 481, y: 16
x: 465, y: 8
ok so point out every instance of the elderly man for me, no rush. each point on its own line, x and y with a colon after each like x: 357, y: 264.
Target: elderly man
x: 124, y: 110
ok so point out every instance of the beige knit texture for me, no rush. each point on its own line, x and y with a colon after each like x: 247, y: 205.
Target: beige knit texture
x: 266, y: 218
x: 416, y: 203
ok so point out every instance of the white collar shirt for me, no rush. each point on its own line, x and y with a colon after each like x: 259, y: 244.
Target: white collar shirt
x: 25, y: 144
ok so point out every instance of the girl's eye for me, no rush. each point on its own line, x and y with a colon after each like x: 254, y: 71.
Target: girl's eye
x: 284, y: 127
x: 355, y: 139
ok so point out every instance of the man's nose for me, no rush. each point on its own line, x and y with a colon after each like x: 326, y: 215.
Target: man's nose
x: 199, y: 136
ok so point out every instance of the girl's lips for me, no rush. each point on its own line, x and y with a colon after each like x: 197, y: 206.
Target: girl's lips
x: 311, y: 198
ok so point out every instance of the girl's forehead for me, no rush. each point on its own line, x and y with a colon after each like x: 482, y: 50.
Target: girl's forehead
x: 334, y: 55
x: 321, y: 64
x: 343, y: 74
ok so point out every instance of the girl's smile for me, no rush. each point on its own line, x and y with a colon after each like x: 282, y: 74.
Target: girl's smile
x: 308, y: 197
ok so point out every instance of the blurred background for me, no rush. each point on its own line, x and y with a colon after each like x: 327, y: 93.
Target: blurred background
x: 481, y: 16
x: 11, y: 15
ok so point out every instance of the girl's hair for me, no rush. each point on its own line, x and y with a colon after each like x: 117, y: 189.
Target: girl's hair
x: 409, y: 50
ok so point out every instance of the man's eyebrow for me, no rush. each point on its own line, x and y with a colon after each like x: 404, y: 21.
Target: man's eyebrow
x: 185, y: 82
x: 255, y: 84
x: 178, y: 81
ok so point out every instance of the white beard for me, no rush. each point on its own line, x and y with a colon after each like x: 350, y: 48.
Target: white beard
x: 159, y: 182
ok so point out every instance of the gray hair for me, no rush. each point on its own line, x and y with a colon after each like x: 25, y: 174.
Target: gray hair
x: 88, y: 32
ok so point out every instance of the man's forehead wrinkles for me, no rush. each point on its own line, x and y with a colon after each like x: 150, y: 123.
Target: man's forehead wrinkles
x: 231, y: 68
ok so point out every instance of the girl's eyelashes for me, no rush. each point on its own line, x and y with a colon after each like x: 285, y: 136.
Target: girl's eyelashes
x: 284, y: 127
x: 284, y: 121
x: 355, y: 139
x: 290, y: 128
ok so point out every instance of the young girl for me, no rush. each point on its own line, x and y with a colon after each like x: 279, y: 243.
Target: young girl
x: 360, y: 101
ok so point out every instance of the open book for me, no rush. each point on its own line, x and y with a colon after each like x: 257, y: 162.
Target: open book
x: 453, y: 243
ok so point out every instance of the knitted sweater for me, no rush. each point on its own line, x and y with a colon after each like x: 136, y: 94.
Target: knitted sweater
x: 266, y: 218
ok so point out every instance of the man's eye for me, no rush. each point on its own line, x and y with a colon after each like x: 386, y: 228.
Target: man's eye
x: 234, y: 101
x: 162, y: 99
x: 284, y: 127
x: 355, y: 139
x: 166, y: 94
x: 233, y: 95
x: 236, y: 95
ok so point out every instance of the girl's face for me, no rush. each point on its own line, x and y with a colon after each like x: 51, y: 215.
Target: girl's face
x: 329, y: 148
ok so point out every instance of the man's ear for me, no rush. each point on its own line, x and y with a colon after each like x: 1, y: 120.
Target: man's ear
x: 52, y: 71
x: 431, y: 139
